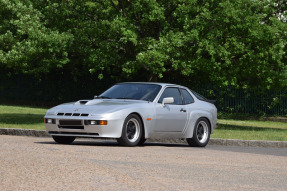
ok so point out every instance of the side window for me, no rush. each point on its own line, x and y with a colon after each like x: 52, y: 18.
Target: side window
x: 187, y: 97
x: 171, y: 92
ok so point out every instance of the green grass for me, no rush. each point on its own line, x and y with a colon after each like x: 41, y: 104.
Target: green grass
x: 251, y: 130
x: 22, y: 117
x: 32, y: 118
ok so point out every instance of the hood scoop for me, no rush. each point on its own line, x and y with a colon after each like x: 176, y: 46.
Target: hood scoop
x: 88, y: 102
x: 83, y: 102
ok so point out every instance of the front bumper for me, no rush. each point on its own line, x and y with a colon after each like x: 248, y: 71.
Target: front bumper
x: 112, y: 130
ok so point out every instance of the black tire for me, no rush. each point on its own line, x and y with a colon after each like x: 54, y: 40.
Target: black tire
x: 142, y: 141
x: 63, y: 139
x: 131, y: 132
x: 201, y: 133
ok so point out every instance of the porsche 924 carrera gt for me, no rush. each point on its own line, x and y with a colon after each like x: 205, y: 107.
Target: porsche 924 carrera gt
x: 134, y: 112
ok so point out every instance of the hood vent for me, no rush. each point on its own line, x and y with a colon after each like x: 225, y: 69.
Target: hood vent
x: 88, y: 102
x: 83, y: 102
x: 73, y: 114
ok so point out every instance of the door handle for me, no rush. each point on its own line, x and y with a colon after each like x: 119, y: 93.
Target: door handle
x: 182, y: 110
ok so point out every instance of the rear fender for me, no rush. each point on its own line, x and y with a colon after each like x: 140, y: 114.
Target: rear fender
x: 193, y: 117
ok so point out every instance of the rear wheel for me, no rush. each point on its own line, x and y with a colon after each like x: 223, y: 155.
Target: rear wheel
x: 63, y: 139
x: 132, y: 131
x: 201, y: 133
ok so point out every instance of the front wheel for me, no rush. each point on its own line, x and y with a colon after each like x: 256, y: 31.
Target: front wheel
x: 142, y: 141
x: 63, y: 139
x: 132, y: 131
x: 201, y: 133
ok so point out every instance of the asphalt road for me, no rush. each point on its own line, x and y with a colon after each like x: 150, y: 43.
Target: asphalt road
x: 29, y: 163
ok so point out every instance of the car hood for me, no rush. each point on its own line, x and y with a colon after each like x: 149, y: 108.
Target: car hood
x: 95, y: 106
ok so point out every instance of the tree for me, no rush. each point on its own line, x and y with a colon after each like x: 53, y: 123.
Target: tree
x: 237, y: 42
x: 26, y: 45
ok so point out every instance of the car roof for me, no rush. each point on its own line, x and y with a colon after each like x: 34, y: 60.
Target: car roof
x: 155, y: 83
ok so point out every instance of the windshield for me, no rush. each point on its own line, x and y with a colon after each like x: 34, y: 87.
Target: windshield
x: 134, y: 91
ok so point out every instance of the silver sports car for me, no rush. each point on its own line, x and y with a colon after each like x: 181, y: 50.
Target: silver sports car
x: 133, y: 112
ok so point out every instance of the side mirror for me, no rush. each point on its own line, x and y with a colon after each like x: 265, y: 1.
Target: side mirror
x: 95, y: 97
x: 167, y: 100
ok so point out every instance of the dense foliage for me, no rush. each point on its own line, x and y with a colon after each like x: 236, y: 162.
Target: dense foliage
x: 240, y: 43
x: 26, y: 44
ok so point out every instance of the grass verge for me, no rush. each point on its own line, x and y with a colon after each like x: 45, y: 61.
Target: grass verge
x: 32, y: 118
x: 21, y: 117
x: 250, y: 130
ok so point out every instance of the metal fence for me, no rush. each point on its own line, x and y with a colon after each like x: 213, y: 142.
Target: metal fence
x: 230, y: 100
x: 53, y: 90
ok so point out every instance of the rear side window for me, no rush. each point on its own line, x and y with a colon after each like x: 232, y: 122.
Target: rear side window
x: 187, y: 97
x: 198, y: 96
x: 171, y: 92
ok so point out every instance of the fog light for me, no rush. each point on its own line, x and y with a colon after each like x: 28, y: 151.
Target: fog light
x: 93, y: 122
x: 50, y: 121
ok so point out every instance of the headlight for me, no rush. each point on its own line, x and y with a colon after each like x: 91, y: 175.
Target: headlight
x: 52, y: 111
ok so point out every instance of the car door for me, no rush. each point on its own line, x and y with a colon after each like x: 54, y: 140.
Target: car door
x: 171, y: 117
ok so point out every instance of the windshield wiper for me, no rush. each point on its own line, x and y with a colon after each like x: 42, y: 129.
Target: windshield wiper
x: 102, y: 97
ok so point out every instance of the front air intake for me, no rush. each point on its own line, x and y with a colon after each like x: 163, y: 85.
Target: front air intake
x: 73, y: 133
x: 73, y: 114
x: 70, y: 122
x: 71, y: 127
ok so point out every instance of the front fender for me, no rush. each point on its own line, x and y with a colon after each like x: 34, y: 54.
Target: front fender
x: 144, y: 114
